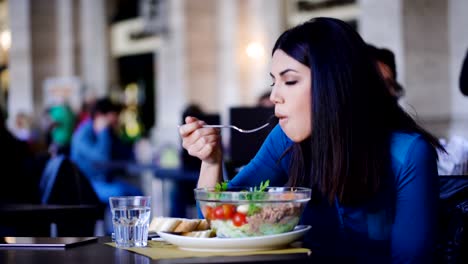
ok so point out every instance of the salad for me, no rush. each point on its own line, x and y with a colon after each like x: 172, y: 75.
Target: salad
x: 252, y: 211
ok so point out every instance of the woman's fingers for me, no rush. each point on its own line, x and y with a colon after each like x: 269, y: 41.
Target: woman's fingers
x: 190, y: 127
x: 207, y: 151
x: 199, y: 138
x: 203, y: 143
x: 190, y: 119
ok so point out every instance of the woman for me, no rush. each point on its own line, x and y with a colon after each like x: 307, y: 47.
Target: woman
x: 372, y: 169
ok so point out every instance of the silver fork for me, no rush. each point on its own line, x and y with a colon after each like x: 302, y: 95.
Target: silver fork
x: 239, y: 129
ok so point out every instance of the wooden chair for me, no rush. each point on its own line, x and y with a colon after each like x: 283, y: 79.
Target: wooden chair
x: 62, y: 183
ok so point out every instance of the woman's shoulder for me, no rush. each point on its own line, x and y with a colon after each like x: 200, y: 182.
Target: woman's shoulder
x: 408, y: 148
x: 403, y: 143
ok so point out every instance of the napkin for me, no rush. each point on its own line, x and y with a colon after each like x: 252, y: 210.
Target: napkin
x: 164, y: 250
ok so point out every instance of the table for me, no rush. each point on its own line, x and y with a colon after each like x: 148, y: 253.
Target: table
x: 98, y: 252
x: 35, y: 219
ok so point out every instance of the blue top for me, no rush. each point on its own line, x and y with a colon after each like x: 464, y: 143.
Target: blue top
x: 89, y: 149
x: 397, y: 226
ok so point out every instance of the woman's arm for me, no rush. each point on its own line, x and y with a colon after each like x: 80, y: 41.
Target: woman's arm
x: 210, y: 174
x: 415, y: 226
x: 205, y: 144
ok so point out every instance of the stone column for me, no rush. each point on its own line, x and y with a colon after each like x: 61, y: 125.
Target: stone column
x: 227, y: 71
x: 65, y: 34
x: 200, y: 39
x: 242, y: 79
x: 427, y: 60
x: 427, y: 39
x: 170, y: 95
x: 94, y: 51
x: 43, y: 47
x: 381, y: 24
x: 458, y: 44
x: 21, y: 84
x: 264, y: 27
x: 427, y: 57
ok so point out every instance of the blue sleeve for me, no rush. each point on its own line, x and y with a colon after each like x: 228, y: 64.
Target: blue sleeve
x: 98, y: 149
x: 415, y: 225
x: 268, y: 163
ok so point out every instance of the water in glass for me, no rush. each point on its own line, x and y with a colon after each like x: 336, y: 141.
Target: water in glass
x: 131, y: 220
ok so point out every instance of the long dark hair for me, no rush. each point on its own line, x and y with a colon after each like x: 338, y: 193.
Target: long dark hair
x: 353, y: 114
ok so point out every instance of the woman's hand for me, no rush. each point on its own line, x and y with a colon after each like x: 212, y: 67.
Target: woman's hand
x: 200, y: 142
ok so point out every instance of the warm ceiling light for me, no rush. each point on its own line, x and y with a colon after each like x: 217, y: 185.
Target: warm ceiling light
x: 5, y: 39
x: 255, y: 50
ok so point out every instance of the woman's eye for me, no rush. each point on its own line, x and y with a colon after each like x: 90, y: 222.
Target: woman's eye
x: 291, y: 82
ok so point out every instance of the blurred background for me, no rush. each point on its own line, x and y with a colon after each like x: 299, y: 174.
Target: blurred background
x: 157, y: 56
x: 163, y: 59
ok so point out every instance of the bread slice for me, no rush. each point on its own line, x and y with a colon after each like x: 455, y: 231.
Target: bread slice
x: 164, y: 224
x: 205, y: 233
x: 186, y: 225
x: 177, y: 225
x: 203, y: 225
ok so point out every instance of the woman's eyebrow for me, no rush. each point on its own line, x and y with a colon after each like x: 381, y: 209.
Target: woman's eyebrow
x: 283, y: 72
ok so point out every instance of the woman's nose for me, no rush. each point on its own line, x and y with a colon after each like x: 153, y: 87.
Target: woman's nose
x: 274, y: 96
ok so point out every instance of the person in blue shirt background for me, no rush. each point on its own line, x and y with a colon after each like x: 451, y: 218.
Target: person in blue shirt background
x: 95, y: 143
x: 372, y: 169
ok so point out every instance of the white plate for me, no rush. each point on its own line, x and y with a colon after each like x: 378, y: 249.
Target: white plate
x: 235, y: 244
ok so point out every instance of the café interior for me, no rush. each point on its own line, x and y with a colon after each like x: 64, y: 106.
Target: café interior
x: 161, y: 60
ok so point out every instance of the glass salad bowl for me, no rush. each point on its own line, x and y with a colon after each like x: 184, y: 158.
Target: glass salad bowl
x: 248, y: 212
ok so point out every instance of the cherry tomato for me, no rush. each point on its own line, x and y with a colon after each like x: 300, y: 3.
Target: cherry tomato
x: 239, y: 219
x: 219, y: 212
x: 209, y: 213
x: 229, y: 211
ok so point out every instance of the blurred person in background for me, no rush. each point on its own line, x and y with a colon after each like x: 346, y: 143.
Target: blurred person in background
x: 85, y: 111
x: 22, y: 127
x: 96, y: 143
x: 19, y: 183
x: 463, y: 81
x: 25, y: 130
x: 387, y: 67
x: 372, y: 169
x: 62, y: 122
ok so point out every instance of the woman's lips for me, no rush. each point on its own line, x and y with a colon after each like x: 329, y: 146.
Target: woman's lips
x: 282, y: 118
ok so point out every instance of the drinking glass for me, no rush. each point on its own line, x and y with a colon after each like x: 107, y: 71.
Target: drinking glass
x: 130, y: 216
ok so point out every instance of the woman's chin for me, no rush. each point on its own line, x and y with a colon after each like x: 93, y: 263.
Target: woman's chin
x: 293, y: 133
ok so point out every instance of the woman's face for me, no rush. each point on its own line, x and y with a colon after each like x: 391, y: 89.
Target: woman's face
x: 291, y: 95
